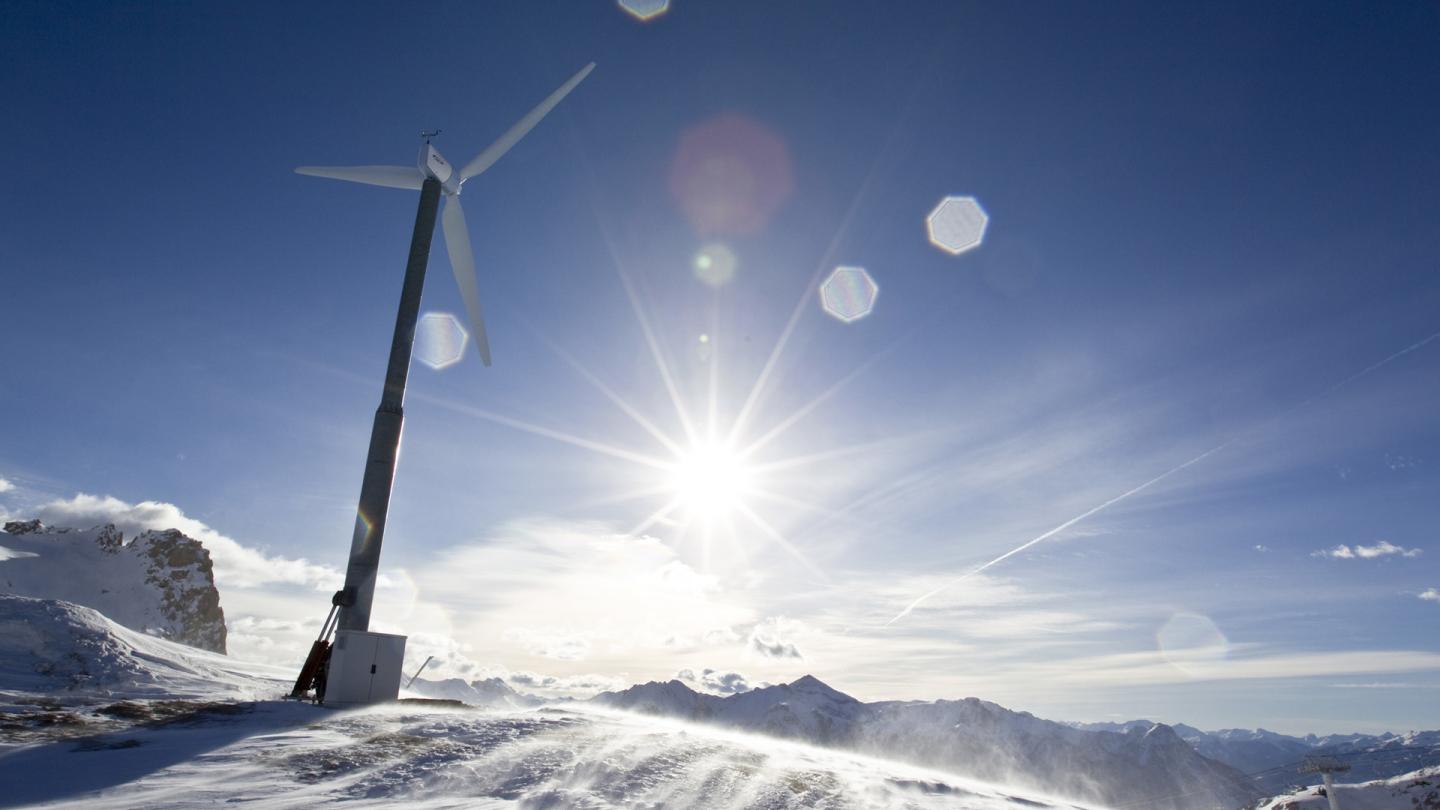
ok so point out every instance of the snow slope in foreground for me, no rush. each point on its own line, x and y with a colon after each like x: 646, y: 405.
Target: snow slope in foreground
x: 1412, y: 791
x: 422, y: 757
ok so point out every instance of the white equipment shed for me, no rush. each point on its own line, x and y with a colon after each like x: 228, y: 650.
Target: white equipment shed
x: 364, y: 668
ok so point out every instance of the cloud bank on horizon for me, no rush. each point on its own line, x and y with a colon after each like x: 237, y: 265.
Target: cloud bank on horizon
x: 571, y: 608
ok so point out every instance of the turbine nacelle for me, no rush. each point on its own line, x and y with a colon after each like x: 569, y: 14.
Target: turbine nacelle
x: 432, y: 164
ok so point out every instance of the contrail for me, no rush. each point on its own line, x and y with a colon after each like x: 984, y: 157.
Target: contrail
x: 1157, y: 479
x: 1362, y: 372
x: 1062, y: 527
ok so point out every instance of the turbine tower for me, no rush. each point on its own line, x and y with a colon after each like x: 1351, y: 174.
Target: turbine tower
x: 433, y: 177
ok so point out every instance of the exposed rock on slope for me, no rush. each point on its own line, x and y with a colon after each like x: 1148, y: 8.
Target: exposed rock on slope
x: 160, y: 582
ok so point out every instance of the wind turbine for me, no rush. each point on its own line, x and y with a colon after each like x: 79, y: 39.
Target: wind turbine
x: 432, y: 176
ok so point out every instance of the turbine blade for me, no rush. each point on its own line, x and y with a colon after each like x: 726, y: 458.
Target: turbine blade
x: 390, y: 176
x: 462, y: 261
x: 496, y: 150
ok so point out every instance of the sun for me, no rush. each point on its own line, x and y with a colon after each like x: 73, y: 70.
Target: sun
x: 710, y: 480
x: 717, y: 470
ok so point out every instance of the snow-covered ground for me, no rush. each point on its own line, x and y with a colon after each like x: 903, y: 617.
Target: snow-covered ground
x: 1418, y: 790
x: 96, y: 714
x: 93, y: 714
x: 276, y: 754
x: 60, y: 649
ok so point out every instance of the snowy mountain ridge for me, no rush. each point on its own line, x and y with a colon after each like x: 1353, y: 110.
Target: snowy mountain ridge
x: 158, y: 582
x: 976, y: 738
x: 1276, y: 758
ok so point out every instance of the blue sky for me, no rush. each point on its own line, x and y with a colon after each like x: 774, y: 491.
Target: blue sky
x: 1204, y: 223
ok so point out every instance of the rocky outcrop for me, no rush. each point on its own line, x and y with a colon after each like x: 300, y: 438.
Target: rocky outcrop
x: 159, y: 582
x: 181, y: 571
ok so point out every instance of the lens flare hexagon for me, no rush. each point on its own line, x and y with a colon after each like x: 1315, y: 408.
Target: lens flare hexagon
x: 957, y: 224
x: 645, y: 10
x: 439, y: 340
x: 848, y: 293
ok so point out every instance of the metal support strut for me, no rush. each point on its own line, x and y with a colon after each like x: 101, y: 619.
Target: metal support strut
x: 316, y: 670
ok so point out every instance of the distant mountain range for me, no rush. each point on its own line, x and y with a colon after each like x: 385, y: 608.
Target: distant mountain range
x: 1150, y: 767
x: 1136, y: 763
x: 1275, y: 759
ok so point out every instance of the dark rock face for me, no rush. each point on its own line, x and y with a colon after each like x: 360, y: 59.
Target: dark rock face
x: 24, y: 527
x: 188, y: 595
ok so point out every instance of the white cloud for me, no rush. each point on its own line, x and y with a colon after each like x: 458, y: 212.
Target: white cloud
x: 559, y: 646
x: 768, y: 638
x: 1384, y: 548
x: 236, y: 565
x: 5, y: 486
x: 564, y: 592
x: 1262, y: 548
x: 718, y: 683
x: 1244, y: 663
x: 573, y: 592
x: 1385, y: 685
x: 574, y: 685
x: 1431, y: 594
x: 247, y: 624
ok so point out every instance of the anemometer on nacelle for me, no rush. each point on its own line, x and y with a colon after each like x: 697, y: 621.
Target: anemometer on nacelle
x: 360, y: 666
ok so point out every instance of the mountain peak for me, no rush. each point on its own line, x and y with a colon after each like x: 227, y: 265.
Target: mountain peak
x: 671, y: 686
x: 670, y: 697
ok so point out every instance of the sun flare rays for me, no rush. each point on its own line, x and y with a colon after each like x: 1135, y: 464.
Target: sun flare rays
x: 712, y: 485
